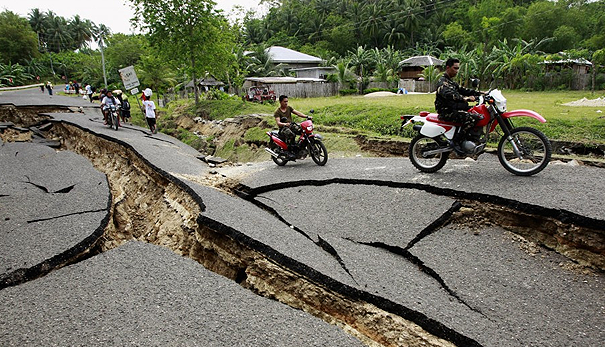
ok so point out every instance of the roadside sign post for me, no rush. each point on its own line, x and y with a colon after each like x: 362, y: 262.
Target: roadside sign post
x: 131, y: 82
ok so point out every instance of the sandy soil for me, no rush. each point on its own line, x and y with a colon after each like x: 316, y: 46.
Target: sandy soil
x: 587, y: 102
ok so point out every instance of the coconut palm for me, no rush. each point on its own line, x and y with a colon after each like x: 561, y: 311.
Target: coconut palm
x: 261, y: 64
x: 411, y: 16
x: 81, y: 31
x: 343, y: 73
x: 37, y: 20
x: 57, y: 34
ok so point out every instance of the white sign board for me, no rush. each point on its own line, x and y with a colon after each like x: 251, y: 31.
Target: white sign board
x: 134, y: 91
x: 129, y: 77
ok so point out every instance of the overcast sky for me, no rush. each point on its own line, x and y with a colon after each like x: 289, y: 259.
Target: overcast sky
x: 115, y: 14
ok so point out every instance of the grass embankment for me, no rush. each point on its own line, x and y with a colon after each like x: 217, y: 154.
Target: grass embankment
x: 339, y: 119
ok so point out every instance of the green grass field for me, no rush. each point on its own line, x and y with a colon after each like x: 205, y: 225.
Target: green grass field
x: 379, y: 116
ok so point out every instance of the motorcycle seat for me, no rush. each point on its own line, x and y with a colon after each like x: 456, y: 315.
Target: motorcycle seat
x: 434, y: 117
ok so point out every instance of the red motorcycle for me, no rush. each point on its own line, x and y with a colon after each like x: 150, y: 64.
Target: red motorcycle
x: 308, y: 144
x: 524, y: 151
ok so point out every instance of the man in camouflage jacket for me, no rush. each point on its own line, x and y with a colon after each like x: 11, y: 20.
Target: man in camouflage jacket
x: 451, y: 100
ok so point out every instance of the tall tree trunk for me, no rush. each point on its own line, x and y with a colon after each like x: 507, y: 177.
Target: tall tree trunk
x: 195, y: 90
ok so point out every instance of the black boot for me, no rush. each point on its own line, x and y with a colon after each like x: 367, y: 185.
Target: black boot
x: 456, y: 142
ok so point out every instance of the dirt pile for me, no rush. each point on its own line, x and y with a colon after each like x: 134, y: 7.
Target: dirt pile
x: 587, y: 102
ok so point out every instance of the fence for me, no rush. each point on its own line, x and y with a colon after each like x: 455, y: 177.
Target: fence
x: 303, y: 89
x: 417, y: 86
x: 382, y: 85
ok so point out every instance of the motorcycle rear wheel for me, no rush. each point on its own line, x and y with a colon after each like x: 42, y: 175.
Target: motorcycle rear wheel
x: 432, y: 163
x: 534, y: 148
x: 318, y: 152
x: 279, y: 161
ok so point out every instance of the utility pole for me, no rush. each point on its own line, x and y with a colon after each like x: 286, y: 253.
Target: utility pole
x: 103, y: 60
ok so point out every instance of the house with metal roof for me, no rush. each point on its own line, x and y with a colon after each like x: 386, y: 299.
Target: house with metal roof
x: 291, y: 58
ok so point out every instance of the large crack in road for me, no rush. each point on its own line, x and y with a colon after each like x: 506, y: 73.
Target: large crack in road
x: 154, y: 206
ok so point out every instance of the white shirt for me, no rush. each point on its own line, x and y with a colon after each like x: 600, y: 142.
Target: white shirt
x: 149, y: 108
x: 107, y: 101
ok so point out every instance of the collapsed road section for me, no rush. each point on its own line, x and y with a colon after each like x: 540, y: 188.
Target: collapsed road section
x: 152, y: 205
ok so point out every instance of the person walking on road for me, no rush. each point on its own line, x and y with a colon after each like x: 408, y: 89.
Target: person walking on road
x: 150, y: 112
x: 49, y: 87
x: 89, y: 91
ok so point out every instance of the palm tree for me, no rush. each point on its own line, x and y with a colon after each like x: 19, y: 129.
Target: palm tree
x: 100, y: 32
x: 360, y: 60
x: 37, y: 20
x: 81, y: 31
x: 57, y: 34
x: 261, y: 64
x: 315, y: 28
x: 343, y: 73
x: 411, y: 20
x: 373, y: 23
x: 431, y: 74
x: 512, y: 62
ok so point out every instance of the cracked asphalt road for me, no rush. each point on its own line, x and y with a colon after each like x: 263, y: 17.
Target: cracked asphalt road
x: 360, y: 222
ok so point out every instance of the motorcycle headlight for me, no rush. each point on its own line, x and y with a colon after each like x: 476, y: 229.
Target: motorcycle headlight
x: 499, y: 100
x: 310, y: 128
x: 501, y: 105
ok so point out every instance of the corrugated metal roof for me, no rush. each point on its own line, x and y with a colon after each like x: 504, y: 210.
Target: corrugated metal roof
x: 284, y: 55
x: 269, y: 80
x: 421, y: 60
x: 580, y: 61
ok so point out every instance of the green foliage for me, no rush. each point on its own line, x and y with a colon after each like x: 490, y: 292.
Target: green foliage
x: 189, y: 33
x: 13, y: 75
x: 18, y: 42
x: 255, y: 134
x: 125, y: 50
x: 216, y: 94
x: 155, y: 72
x: 347, y: 91
x: 221, y: 109
x: 57, y: 34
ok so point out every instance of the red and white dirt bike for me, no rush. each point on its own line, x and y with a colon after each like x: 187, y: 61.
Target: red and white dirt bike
x: 524, y: 151
x: 308, y: 144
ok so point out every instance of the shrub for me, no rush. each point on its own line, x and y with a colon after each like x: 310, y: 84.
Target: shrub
x: 344, y: 92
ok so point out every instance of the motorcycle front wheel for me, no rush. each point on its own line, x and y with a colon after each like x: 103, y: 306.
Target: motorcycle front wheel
x: 318, y: 152
x: 426, y: 163
x: 279, y: 161
x: 114, y: 120
x: 526, y: 152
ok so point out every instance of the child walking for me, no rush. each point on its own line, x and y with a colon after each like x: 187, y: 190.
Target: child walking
x: 150, y: 113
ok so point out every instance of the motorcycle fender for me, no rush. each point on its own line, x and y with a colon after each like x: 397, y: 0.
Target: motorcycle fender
x: 524, y: 113
x: 279, y: 142
x: 430, y: 129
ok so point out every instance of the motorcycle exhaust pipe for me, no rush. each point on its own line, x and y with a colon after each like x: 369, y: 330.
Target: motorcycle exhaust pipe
x: 273, y: 154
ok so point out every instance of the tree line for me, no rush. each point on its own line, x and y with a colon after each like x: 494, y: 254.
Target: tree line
x: 181, y: 40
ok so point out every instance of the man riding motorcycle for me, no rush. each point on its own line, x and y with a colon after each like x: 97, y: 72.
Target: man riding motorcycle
x: 451, y: 102
x: 287, y: 129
